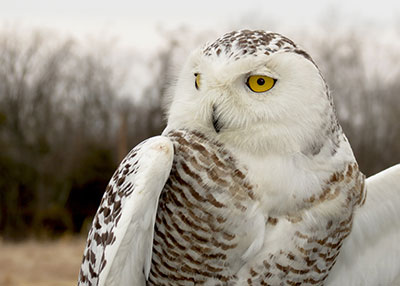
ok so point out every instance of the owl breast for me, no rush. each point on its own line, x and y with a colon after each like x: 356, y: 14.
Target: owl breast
x: 210, y: 229
x: 199, y: 234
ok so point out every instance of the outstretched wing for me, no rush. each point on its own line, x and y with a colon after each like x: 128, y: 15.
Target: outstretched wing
x: 119, y: 244
x: 370, y: 255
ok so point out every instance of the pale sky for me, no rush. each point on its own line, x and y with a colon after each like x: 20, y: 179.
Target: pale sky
x: 135, y: 22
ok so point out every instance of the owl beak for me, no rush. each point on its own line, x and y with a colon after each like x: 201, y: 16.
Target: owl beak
x: 215, y: 120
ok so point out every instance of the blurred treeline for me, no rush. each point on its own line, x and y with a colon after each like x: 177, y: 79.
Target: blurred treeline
x: 64, y: 126
x: 66, y: 121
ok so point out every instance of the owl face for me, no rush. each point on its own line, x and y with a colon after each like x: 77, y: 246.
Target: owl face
x: 253, y: 90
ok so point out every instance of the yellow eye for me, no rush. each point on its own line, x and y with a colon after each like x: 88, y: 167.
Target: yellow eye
x: 197, y: 80
x: 260, y: 83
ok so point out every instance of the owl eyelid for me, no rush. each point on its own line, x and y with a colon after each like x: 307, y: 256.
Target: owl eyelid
x: 274, y: 77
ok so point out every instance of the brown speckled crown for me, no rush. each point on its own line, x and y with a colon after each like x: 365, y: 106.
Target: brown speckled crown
x: 238, y: 44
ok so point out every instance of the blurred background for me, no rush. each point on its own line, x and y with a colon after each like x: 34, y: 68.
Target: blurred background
x: 82, y: 82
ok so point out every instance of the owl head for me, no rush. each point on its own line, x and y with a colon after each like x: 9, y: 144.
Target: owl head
x: 255, y: 91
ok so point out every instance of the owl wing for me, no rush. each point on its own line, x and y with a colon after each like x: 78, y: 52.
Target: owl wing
x: 120, y: 241
x: 370, y: 255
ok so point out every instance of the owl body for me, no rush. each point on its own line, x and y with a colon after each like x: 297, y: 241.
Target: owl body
x: 252, y: 182
x: 217, y: 225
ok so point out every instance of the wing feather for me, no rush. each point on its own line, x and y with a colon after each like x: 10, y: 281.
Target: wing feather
x: 370, y: 255
x: 119, y: 245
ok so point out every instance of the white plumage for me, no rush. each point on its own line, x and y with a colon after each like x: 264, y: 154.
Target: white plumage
x: 252, y: 183
x: 130, y: 214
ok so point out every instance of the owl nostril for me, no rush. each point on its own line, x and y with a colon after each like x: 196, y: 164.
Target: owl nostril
x: 215, y: 120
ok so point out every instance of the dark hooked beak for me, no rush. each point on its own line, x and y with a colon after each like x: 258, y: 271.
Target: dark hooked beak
x: 215, y: 120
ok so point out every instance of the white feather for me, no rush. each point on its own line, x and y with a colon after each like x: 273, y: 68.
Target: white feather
x: 129, y: 259
x: 371, y: 254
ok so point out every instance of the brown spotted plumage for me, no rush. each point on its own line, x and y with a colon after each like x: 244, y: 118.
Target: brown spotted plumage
x: 238, y: 44
x: 197, y: 235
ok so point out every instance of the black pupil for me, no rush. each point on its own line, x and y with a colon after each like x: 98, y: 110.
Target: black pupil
x: 260, y: 81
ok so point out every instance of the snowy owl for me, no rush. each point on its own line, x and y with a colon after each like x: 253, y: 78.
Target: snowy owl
x: 253, y: 181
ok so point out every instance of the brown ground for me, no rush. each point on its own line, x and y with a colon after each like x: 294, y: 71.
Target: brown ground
x: 44, y: 263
